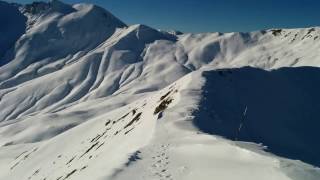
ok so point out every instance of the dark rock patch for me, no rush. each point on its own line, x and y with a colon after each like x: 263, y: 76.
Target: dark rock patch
x: 163, y: 105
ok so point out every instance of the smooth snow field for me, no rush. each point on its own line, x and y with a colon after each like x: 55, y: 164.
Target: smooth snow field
x: 85, y: 96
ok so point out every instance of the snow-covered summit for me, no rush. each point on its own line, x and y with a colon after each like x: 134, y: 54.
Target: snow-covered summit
x: 85, y: 96
x: 59, y: 28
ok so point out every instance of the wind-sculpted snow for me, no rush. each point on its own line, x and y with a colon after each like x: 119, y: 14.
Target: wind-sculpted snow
x: 82, y: 63
x: 74, y: 154
x: 84, y: 96
x: 58, y: 34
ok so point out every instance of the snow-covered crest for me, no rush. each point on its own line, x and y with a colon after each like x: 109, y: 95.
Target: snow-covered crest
x: 82, y: 95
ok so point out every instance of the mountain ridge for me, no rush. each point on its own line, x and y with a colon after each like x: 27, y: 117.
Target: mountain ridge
x: 79, y: 81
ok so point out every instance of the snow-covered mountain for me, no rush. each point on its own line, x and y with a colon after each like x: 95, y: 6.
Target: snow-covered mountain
x: 85, y: 96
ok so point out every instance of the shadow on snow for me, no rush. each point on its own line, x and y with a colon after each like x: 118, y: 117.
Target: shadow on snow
x: 283, y: 109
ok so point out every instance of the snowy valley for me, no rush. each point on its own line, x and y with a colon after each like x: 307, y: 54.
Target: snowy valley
x: 85, y: 96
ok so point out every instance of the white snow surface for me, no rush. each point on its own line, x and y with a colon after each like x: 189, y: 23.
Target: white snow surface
x: 85, y: 96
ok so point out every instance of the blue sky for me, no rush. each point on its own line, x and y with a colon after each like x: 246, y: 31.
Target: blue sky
x: 213, y: 15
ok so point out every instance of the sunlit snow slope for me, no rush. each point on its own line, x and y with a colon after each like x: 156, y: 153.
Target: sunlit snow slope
x: 85, y: 96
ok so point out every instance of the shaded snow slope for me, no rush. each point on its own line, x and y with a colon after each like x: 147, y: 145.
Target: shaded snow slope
x: 82, y: 95
x: 279, y: 108
x: 13, y: 25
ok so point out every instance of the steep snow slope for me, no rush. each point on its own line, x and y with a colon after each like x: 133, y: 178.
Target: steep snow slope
x: 122, y: 144
x: 56, y: 27
x: 139, y: 59
x: 281, y: 108
x: 78, y: 66
x: 179, y: 150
